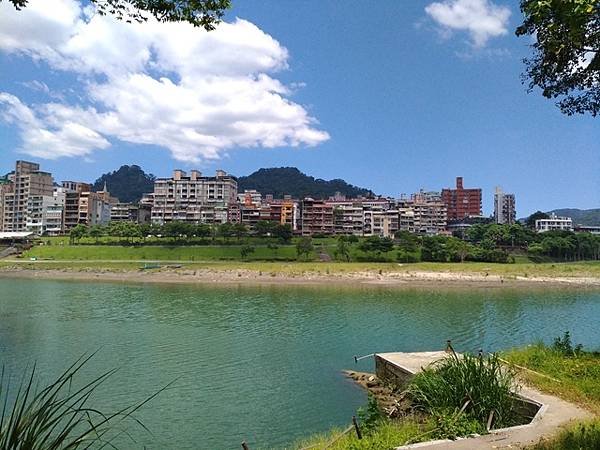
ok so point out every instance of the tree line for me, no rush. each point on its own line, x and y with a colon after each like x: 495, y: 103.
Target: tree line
x: 179, y: 232
x: 481, y: 242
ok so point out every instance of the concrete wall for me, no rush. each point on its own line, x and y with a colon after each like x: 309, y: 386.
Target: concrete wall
x: 391, y: 373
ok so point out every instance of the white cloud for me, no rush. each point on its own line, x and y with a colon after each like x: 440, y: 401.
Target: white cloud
x: 481, y: 19
x: 197, y: 93
x: 67, y: 138
x: 36, y: 85
x: 40, y: 86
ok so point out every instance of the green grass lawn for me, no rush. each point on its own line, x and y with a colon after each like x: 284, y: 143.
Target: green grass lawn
x: 578, y: 376
x: 388, y: 435
x: 113, y: 240
x: 159, y: 253
x: 578, y: 382
x: 283, y: 259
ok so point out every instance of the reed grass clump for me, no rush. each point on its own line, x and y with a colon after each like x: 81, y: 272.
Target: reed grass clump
x: 58, y: 416
x: 467, y: 387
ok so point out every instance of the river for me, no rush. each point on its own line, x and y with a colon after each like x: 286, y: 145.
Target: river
x: 261, y: 364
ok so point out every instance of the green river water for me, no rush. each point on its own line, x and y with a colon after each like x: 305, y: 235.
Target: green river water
x: 261, y: 364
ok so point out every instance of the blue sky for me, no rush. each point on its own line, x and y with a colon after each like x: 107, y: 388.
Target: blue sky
x: 390, y: 95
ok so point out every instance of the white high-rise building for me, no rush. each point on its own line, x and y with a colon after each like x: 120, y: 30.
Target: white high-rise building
x: 45, y: 213
x: 504, y: 207
x: 193, y: 198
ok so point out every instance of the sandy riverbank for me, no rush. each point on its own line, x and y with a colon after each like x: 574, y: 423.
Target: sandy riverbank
x: 254, y: 277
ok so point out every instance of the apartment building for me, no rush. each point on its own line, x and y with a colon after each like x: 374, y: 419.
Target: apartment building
x: 340, y: 216
x: 45, y: 213
x: 251, y: 208
x: 94, y: 208
x: 251, y: 214
x: 82, y: 206
x: 348, y: 217
x: 424, y: 213
x: 130, y: 212
x: 250, y: 197
x: 461, y: 202
x: 234, y: 214
x: 193, y: 198
x: 380, y: 218
x: 6, y: 187
x: 76, y: 186
x: 504, y: 207
x: 316, y: 217
x: 73, y: 191
x: 382, y: 223
x: 286, y: 212
x: 27, y: 181
x: 554, y: 223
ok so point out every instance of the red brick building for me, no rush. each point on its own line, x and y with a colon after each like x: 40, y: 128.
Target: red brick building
x: 461, y: 202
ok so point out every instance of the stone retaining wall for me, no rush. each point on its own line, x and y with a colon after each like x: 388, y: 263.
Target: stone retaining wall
x: 392, y: 373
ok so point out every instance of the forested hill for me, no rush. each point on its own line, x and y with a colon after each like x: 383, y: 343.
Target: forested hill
x: 587, y: 217
x: 280, y: 181
x: 128, y: 183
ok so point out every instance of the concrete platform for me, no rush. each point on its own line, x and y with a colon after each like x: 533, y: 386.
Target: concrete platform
x: 552, y: 414
x: 414, y: 361
x: 399, y: 368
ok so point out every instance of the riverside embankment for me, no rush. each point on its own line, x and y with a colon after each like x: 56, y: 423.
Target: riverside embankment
x: 393, y: 274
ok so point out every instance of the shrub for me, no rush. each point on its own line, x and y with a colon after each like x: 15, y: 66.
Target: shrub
x: 372, y: 257
x: 451, y: 424
x: 305, y: 247
x: 564, y: 346
x: 370, y: 416
x: 407, y: 257
x: 246, y: 250
x: 479, y: 386
x: 490, y: 255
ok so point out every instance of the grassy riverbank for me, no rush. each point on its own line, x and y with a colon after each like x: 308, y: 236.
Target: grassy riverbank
x: 385, y: 436
x: 95, y: 263
x: 444, y: 275
x: 281, y: 259
x: 575, y: 378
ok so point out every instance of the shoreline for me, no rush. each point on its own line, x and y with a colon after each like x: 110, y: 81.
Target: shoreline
x: 244, y: 276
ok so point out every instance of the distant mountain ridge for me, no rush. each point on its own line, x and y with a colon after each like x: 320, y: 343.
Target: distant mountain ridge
x: 280, y: 181
x: 129, y: 183
x: 587, y: 217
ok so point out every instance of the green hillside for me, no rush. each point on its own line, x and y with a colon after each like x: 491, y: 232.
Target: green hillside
x: 280, y: 181
x: 128, y: 183
x: 587, y: 217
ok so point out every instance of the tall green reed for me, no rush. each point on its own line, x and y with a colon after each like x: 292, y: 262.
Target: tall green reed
x: 59, y: 416
x: 479, y: 387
